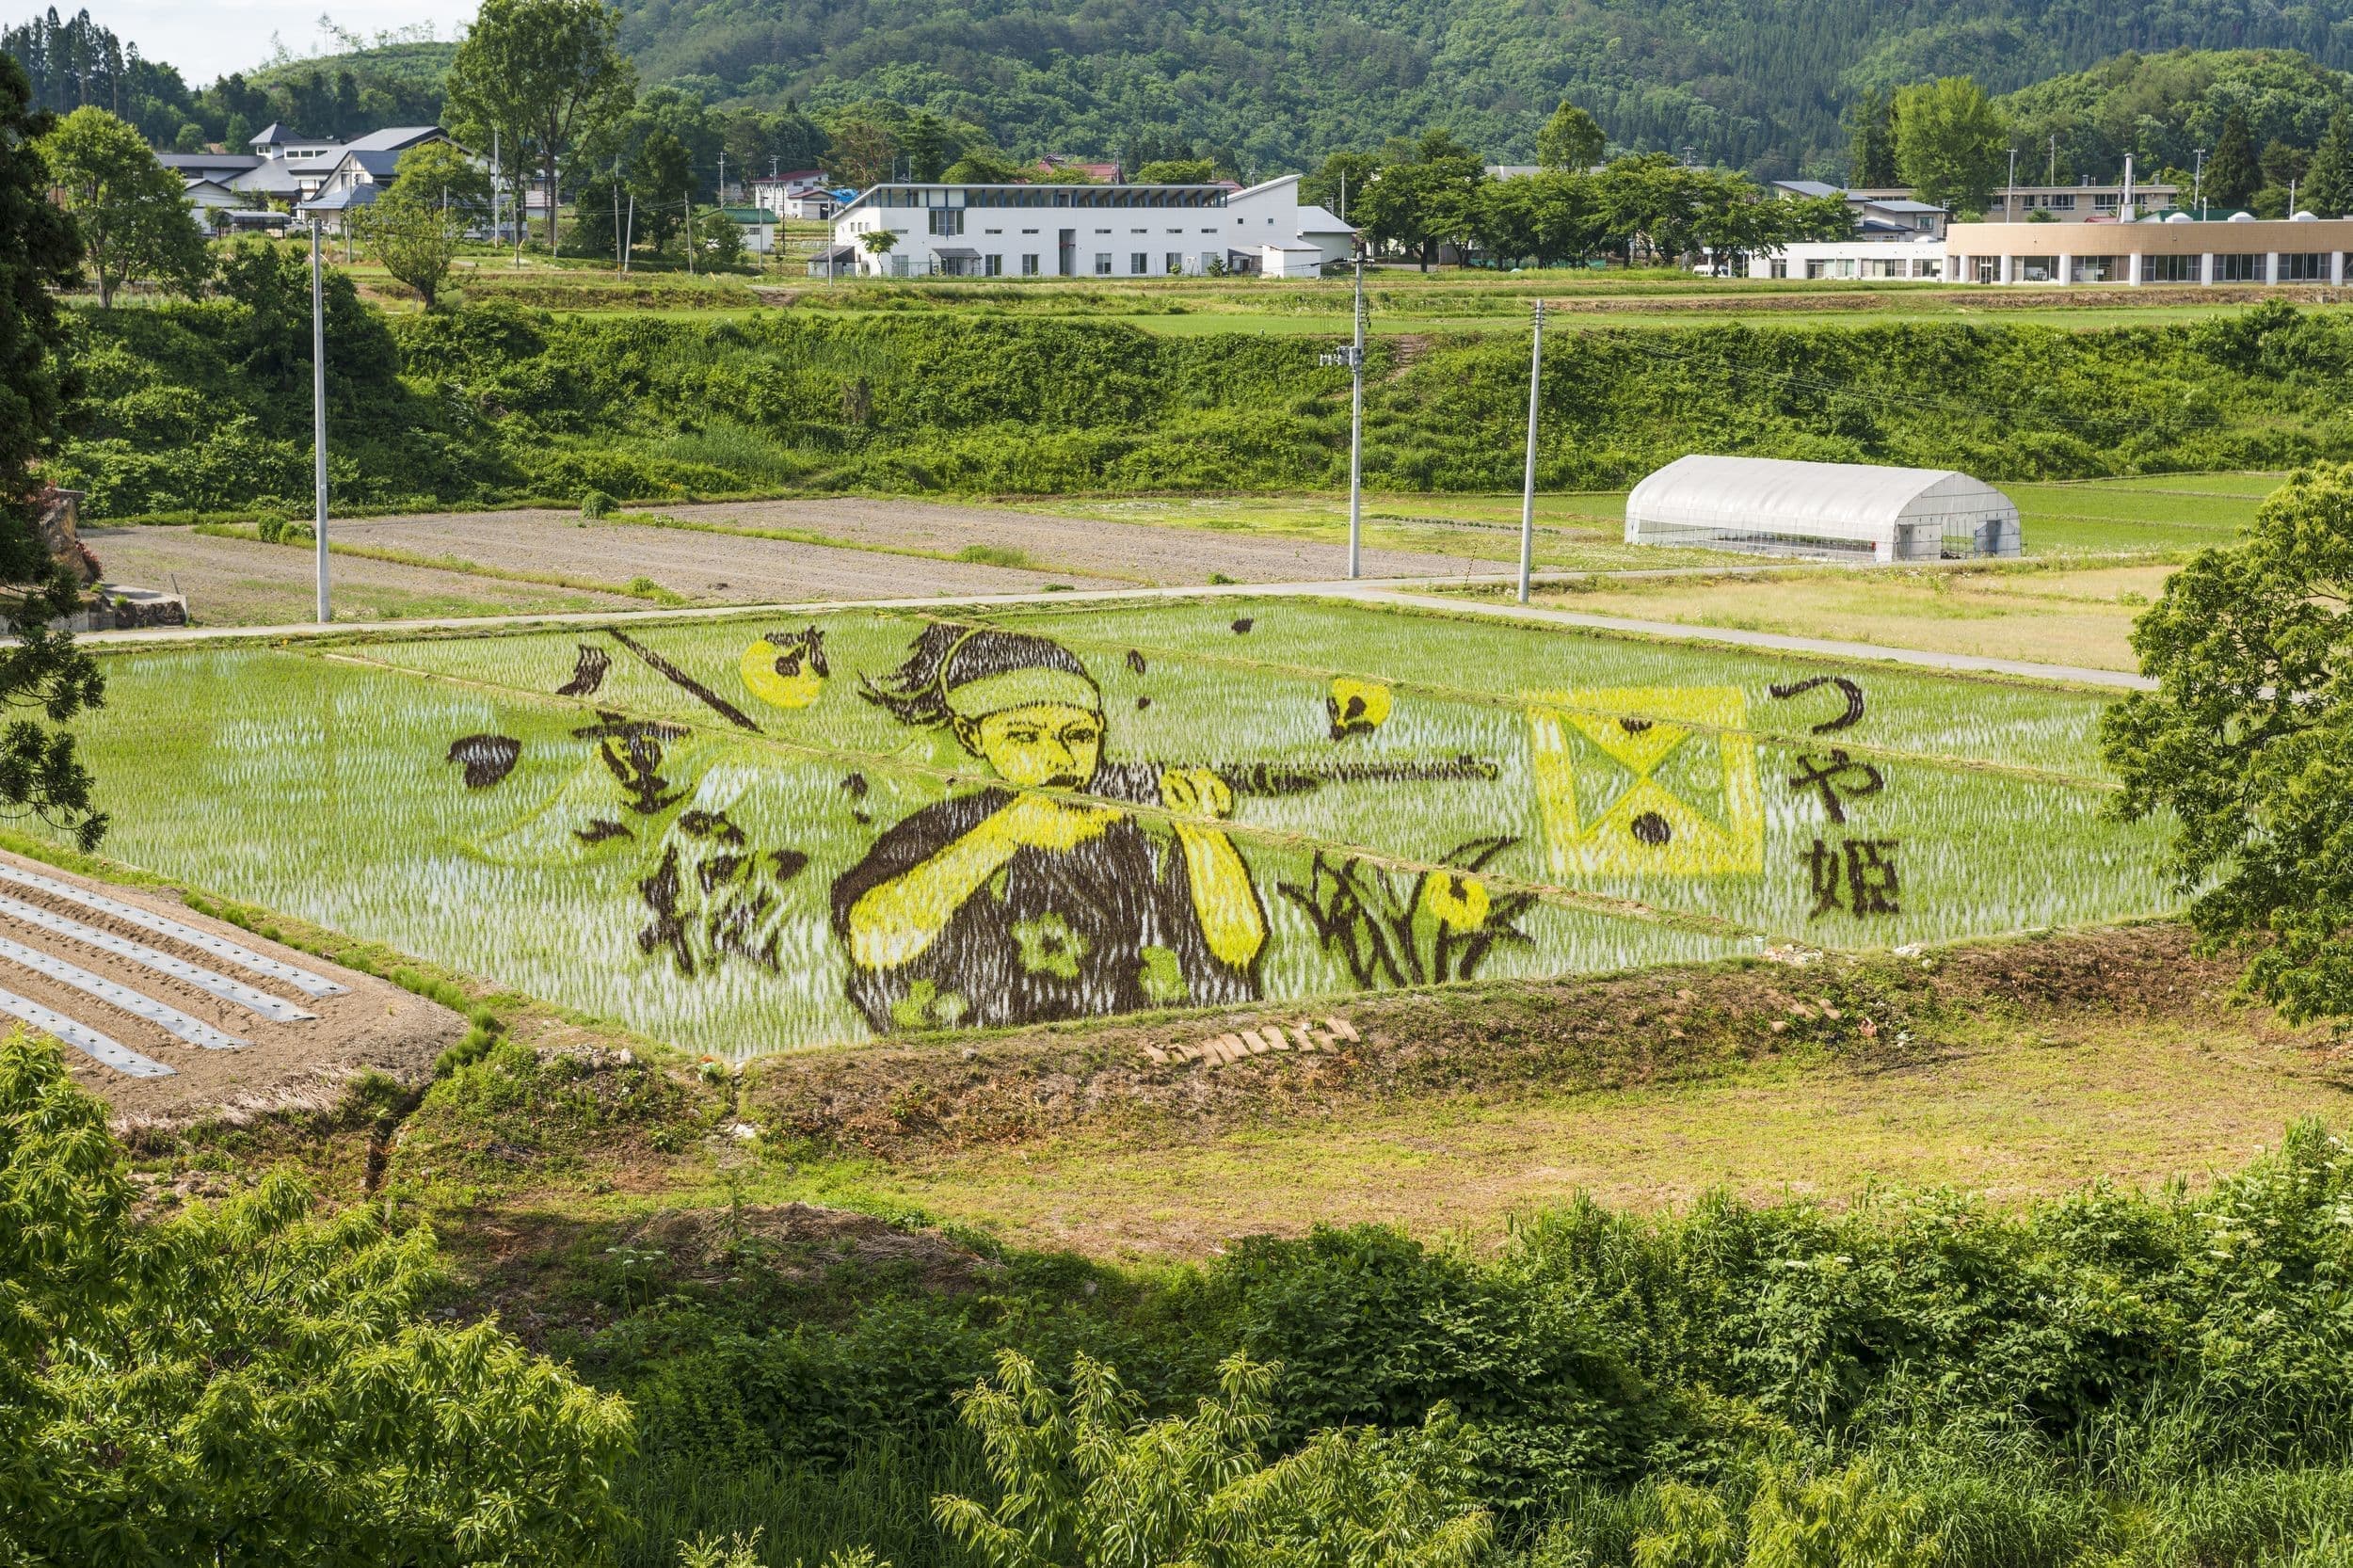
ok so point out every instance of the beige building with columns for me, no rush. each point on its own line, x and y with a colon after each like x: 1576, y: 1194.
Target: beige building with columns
x: 2303, y: 249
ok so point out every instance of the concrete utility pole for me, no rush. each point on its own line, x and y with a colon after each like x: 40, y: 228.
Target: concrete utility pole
x: 2198, y: 184
x: 1354, y: 356
x: 2010, y: 200
x: 1356, y: 432
x: 318, y: 416
x: 629, y: 234
x: 1528, y: 488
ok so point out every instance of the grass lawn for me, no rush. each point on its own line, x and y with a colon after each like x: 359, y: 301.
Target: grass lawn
x: 2022, y: 1115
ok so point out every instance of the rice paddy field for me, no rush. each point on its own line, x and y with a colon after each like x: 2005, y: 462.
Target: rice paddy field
x: 739, y: 836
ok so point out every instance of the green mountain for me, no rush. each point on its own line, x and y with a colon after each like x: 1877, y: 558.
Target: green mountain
x: 2162, y: 107
x: 1758, y: 83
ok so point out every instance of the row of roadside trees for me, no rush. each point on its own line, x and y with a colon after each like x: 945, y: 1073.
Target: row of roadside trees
x: 1419, y: 197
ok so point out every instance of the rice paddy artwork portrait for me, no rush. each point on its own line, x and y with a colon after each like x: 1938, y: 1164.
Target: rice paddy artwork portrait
x: 740, y: 835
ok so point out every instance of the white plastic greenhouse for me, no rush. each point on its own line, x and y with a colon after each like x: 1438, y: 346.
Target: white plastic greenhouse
x: 1774, y: 506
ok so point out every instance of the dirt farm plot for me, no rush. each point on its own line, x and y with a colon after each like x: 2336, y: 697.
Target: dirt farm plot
x: 243, y: 581
x: 169, y: 1016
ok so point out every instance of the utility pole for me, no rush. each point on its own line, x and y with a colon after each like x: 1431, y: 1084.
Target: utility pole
x: 1527, y: 486
x: 2010, y: 200
x: 2198, y: 184
x: 629, y: 234
x: 498, y: 234
x: 318, y: 416
x: 1354, y: 356
x: 620, y: 251
x: 2053, y: 180
x: 688, y: 206
x: 1356, y: 433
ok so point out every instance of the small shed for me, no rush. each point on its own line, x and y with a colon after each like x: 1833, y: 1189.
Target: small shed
x: 1777, y: 506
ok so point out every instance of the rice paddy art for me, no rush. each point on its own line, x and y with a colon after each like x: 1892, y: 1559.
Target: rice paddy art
x: 743, y: 837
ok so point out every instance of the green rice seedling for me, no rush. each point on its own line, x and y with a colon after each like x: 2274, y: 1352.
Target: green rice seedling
x: 745, y: 835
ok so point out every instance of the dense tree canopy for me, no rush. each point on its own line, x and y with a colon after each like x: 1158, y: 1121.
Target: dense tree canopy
x: 2248, y: 741
x: 256, y: 1383
x: 128, y: 209
x: 44, y: 672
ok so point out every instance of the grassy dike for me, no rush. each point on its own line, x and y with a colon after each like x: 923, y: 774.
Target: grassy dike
x: 194, y: 408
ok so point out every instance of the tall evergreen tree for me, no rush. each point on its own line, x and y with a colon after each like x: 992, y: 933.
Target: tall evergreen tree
x: 2233, y: 172
x: 1871, y: 151
x: 44, y: 671
x: 2328, y: 179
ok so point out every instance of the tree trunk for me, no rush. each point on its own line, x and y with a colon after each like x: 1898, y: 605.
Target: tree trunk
x: 547, y: 162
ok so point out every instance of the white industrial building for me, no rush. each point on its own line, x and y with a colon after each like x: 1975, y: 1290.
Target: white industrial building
x: 1067, y: 230
x: 1922, y: 257
x: 1773, y: 505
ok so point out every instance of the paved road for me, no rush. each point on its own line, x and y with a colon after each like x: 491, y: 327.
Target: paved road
x: 1393, y: 591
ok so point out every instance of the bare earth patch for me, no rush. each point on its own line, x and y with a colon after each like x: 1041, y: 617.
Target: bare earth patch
x: 714, y: 567
x: 283, y: 1063
x: 245, y: 583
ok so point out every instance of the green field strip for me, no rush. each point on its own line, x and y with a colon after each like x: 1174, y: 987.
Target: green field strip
x: 2045, y: 730
x: 1977, y: 842
x: 715, y: 642
x: 1520, y: 702
x: 350, y: 815
x: 1975, y: 804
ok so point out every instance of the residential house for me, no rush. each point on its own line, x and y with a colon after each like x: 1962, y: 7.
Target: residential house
x: 1112, y: 173
x: 375, y: 158
x: 758, y: 226
x: 1884, y: 214
x: 292, y: 168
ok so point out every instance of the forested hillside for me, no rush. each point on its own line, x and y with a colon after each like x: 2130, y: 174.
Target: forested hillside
x: 1756, y: 83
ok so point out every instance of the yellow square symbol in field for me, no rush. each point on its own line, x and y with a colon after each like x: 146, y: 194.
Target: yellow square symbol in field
x: 1647, y: 780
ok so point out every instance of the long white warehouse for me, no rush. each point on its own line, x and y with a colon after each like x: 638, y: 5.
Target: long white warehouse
x: 1776, y: 505
x: 1055, y: 230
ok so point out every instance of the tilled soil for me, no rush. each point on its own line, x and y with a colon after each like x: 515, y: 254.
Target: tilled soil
x: 711, y: 568
x: 1079, y: 552
x: 246, y: 583
x: 302, y: 1063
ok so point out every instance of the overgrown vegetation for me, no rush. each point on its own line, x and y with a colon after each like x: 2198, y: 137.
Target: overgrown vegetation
x: 205, y: 407
x: 2111, y: 1377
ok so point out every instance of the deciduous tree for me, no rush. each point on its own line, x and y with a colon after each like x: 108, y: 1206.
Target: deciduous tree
x: 1570, y: 140
x: 544, y: 74
x: 1951, y: 146
x: 257, y: 1381
x: 134, y: 220
x: 413, y: 238
x: 2248, y: 740
x: 1083, y: 1480
x: 862, y: 153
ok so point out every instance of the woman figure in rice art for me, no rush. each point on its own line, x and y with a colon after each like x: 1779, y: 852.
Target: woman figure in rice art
x: 1007, y: 906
